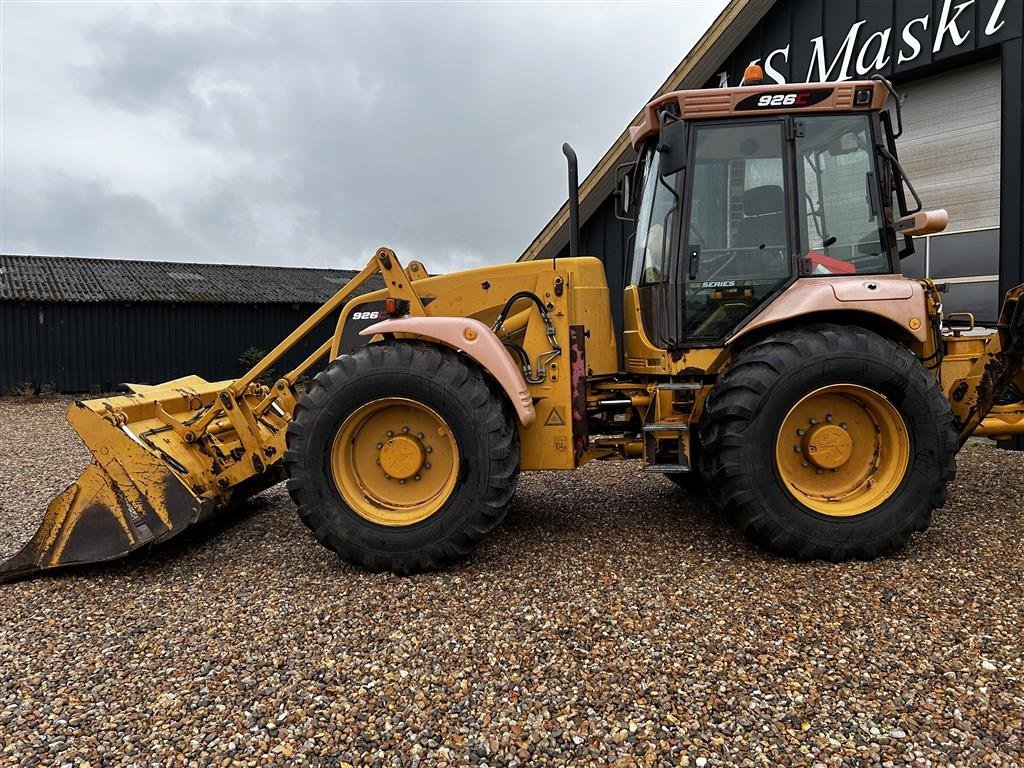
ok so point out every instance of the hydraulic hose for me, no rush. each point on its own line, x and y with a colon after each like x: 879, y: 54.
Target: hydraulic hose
x: 542, y: 360
x: 516, y: 297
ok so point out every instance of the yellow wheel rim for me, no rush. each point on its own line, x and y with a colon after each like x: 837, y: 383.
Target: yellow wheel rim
x: 395, y: 461
x: 842, y: 450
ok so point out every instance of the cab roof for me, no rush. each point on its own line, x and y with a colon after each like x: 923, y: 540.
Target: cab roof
x: 749, y: 100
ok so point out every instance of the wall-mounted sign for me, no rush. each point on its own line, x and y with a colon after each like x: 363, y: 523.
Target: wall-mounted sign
x: 863, y: 46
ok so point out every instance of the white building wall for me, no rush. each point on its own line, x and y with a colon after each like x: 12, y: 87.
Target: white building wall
x: 950, y: 147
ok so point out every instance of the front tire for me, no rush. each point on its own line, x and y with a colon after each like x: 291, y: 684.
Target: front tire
x: 402, y: 456
x: 828, y: 442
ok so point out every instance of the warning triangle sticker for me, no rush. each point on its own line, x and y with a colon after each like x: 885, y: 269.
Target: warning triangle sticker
x: 554, y: 418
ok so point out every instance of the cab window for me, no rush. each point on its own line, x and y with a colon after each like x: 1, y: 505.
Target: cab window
x: 655, y: 224
x: 840, y: 223
x: 737, y: 249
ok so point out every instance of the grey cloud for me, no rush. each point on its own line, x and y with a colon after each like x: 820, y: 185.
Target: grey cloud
x: 435, y: 129
x: 84, y: 216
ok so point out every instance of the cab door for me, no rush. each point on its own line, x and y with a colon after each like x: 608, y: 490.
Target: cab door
x: 737, y: 249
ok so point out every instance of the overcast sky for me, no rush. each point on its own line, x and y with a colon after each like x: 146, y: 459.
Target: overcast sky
x: 309, y: 134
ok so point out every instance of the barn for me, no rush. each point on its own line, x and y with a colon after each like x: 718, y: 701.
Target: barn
x: 88, y: 325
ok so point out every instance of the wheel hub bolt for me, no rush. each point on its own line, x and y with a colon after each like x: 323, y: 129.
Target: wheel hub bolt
x: 828, y: 417
x: 818, y: 471
x: 379, y: 446
x: 402, y: 482
x: 803, y: 463
x: 405, y: 429
x: 796, y: 448
x: 429, y: 449
x: 417, y: 477
x: 390, y: 433
x: 427, y: 465
x: 800, y: 432
x: 419, y: 435
x: 812, y: 421
x: 842, y: 424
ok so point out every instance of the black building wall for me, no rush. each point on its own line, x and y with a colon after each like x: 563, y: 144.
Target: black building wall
x: 77, y: 347
x: 612, y: 239
x: 972, y: 32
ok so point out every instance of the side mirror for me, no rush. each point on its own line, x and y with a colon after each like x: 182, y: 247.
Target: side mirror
x: 923, y: 222
x: 672, y: 147
x: 624, y: 191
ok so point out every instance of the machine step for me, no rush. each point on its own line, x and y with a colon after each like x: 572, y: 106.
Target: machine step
x: 666, y: 468
x: 667, y: 426
x: 679, y: 386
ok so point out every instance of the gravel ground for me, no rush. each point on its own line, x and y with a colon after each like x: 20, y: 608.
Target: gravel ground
x: 612, y: 620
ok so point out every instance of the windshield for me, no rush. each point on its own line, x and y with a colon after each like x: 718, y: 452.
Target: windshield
x: 654, y: 223
x: 839, y: 220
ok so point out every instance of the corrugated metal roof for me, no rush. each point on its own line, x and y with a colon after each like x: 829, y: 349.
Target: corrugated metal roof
x: 71, y: 279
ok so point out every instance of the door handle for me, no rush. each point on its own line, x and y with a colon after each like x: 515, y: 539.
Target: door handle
x: 694, y: 261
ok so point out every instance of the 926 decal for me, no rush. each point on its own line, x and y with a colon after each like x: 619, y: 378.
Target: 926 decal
x: 783, y: 99
x: 802, y: 98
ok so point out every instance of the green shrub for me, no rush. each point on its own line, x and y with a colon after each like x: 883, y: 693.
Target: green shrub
x: 249, y: 358
x: 28, y: 390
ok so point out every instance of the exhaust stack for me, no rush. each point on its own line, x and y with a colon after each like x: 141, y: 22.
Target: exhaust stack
x: 574, y: 200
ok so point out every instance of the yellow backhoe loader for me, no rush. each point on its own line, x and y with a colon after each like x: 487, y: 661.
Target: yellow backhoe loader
x: 771, y: 351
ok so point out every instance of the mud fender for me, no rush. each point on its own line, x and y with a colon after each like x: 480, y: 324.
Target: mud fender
x: 474, y: 339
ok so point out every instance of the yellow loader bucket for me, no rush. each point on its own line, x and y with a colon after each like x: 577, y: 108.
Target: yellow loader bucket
x: 148, y: 481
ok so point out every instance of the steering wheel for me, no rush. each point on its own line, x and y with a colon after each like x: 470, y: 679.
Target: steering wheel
x: 816, y: 215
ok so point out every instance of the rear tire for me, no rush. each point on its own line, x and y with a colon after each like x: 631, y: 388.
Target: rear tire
x: 374, y: 519
x: 795, y: 493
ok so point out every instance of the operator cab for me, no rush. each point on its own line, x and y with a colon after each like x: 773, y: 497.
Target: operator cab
x: 737, y: 192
